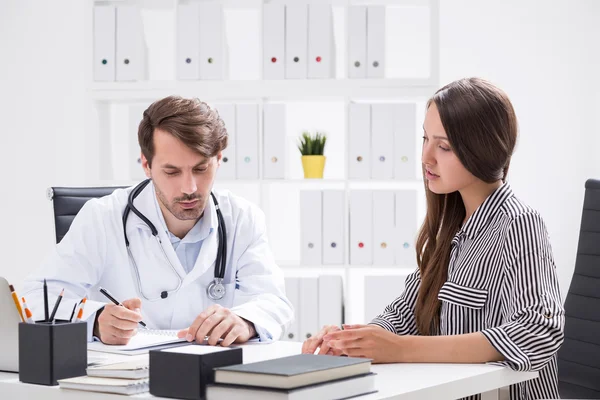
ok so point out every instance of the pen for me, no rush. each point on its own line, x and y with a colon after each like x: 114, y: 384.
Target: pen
x: 115, y: 301
x: 45, y: 301
x: 28, y: 313
x: 58, y: 300
x: 16, y: 300
x: 73, y: 312
x: 80, y: 312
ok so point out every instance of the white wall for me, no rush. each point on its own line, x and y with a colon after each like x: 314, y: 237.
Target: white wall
x: 543, y: 53
x: 41, y: 113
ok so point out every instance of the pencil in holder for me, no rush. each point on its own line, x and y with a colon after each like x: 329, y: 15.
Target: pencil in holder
x: 52, y: 351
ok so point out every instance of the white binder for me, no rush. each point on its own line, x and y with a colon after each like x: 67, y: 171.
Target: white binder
x: 382, y: 141
x: 309, y: 310
x: 273, y: 41
x: 296, y: 41
x: 333, y: 226
x: 188, y: 41
x: 292, y: 292
x: 136, y: 171
x: 380, y: 291
x: 384, y: 234
x: 246, y: 123
x: 311, y: 218
x: 228, y: 162
x: 361, y: 227
x: 376, y: 42
x: 330, y: 300
x: 213, y: 46
x: 357, y: 42
x: 321, y: 46
x: 359, y: 142
x: 406, y: 227
x: 405, y: 136
x: 274, y: 141
x: 104, y: 43
x: 131, y: 48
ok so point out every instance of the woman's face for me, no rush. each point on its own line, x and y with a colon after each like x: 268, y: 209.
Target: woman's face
x: 443, y: 170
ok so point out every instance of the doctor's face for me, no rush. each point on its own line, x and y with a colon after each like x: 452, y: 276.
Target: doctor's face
x: 182, y: 178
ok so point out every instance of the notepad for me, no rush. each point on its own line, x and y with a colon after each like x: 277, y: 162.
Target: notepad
x: 106, y: 385
x: 135, y: 369
x: 143, y: 341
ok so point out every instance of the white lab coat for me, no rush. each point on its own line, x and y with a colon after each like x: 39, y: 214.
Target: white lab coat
x: 93, y: 254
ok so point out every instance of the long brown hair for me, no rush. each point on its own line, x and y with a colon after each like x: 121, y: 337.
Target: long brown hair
x: 481, y: 125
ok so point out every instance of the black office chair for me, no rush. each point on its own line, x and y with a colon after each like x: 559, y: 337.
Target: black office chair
x: 68, y: 201
x: 579, y: 356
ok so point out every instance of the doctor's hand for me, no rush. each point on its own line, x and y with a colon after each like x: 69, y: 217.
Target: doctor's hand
x: 316, y: 342
x: 218, y: 322
x: 116, y: 324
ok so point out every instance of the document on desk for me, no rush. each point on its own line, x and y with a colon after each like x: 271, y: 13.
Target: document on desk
x: 144, y: 341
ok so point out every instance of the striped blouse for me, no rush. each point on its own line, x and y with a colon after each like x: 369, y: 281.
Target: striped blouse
x: 501, y: 282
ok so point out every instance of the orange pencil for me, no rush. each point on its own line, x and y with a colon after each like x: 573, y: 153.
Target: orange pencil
x: 17, y: 303
x: 80, y: 312
x: 28, y: 313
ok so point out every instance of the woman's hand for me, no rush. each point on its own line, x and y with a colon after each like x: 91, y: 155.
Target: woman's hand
x: 369, y: 341
x: 310, y: 345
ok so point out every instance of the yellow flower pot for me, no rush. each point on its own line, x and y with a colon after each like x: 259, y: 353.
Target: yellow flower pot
x: 313, y: 166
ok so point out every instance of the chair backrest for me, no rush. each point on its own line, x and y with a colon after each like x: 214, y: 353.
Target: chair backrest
x: 579, y: 356
x: 68, y: 201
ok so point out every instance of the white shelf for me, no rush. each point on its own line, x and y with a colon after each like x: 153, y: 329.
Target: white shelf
x: 328, y: 89
x: 162, y: 4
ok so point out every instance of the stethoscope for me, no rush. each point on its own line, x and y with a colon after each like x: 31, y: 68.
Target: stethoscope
x: 216, y: 289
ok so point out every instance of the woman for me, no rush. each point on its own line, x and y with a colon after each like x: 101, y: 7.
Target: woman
x: 486, y: 288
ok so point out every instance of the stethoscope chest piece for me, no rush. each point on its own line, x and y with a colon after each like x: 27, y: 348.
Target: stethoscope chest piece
x: 216, y: 289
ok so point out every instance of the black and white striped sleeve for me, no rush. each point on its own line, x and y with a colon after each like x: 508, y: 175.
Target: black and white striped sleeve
x: 532, y: 327
x: 399, y: 316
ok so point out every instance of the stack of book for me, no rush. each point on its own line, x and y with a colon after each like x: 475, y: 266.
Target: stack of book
x: 129, y: 377
x: 296, y: 377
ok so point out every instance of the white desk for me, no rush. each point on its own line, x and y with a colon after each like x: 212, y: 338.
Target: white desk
x: 393, y: 381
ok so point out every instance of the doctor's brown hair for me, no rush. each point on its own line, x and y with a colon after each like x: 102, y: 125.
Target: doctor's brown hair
x: 481, y: 125
x: 191, y: 121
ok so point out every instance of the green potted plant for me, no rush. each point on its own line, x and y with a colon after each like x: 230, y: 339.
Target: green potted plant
x: 311, y: 147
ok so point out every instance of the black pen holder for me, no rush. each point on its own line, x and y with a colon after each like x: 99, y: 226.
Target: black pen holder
x: 52, y: 351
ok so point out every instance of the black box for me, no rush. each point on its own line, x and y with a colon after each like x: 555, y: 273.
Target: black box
x: 185, y: 375
x: 52, y: 351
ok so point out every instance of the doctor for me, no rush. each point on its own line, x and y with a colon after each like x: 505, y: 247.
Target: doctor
x: 176, y: 253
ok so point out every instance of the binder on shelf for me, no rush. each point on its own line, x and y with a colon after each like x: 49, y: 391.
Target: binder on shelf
x: 359, y: 141
x: 321, y: 45
x: 361, y: 227
x: 246, y: 122
x: 382, y: 141
x: 384, y: 234
x: 405, y: 136
x: 357, y: 41
x: 136, y: 171
x: 131, y: 47
x: 188, y: 41
x: 273, y: 41
x: 333, y: 226
x: 310, y: 227
x: 309, y: 312
x: 292, y: 292
x: 274, y: 141
x: 105, y: 19
x: 213, y: 46
x: 376, y: 42
x: 330, y: 300
x: 228, y: 162
x: 296, y: 41
x: 380, y: 291
x: 406, y: 227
